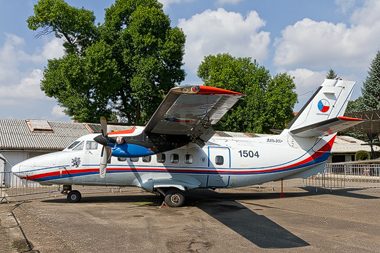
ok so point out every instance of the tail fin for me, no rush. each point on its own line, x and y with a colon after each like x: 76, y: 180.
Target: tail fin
x: 323, y: 113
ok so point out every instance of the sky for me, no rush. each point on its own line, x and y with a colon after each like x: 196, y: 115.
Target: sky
x: 302, y: 38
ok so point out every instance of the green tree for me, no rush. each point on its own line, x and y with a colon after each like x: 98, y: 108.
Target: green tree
x: 126, y: 64
x: 269, y: 100
x: 332, y: 75
x: 354, y: 105
x: 371, y: 87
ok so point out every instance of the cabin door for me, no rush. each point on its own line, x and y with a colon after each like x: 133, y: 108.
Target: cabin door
x: 219, y: 163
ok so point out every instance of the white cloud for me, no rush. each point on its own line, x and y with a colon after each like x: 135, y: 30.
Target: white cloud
x: 213, y: 32
x: 53, y: 49
x: 17, y: 84
x: 57, y: 112
x: 28, y: 87
x: 368, y: 15
x: 167, y: 3
x: 322, y: 44
x: 307, y: 80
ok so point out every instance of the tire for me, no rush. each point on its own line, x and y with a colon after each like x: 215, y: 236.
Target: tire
x: 174, y: 198
x: 74, y: 196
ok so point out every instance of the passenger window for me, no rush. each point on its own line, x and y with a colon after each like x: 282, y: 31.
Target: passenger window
x: 79, y: 146
x: 189, y: 159
x: 161, y: 158
x: 91, y: 145
x: 134, y: 159
x: 219, y: 160
x: 174, y: 158
x: 121, y: 159
x: 146, y: 159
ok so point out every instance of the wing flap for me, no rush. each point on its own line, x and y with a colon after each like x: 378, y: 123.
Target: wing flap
x: 326, y: 127
x: 191, y: 110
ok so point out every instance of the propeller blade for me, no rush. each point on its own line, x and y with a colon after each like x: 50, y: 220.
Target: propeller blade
x: 102, y: 139
x: 103, y: 163
x: 103, y: 125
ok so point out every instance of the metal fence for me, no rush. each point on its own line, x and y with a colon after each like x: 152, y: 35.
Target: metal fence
x: 334, y: 176
x: 22, y: 187
x: 337, y: 176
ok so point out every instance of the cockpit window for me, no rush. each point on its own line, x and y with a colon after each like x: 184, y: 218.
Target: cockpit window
x: 73, y: 145
x: 91, y: 145
x: 79, y: 146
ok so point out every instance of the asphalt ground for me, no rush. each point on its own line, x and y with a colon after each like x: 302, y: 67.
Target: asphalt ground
x: 229, y: 220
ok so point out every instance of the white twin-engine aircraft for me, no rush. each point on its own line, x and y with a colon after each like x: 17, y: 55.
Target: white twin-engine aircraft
x: 177, y: 150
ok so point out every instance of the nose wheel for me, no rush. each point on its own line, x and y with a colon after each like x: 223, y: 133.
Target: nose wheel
x: 74, y: 196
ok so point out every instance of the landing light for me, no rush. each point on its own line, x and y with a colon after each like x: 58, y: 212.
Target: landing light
x: 187, y: 90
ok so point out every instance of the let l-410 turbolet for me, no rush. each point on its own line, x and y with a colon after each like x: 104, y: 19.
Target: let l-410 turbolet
x: 177, y: 150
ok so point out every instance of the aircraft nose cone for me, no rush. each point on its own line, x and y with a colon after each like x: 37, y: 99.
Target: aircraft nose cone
x: 16, y: 168
x: 21, y: 169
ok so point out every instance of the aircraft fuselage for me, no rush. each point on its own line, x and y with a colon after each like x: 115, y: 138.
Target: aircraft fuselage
x: 222, y: 162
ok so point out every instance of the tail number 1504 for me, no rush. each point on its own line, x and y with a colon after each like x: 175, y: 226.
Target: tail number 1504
x: 249, y: 153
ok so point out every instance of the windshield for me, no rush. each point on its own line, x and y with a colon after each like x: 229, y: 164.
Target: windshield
x: 73, y: 144
x: 91, y: 145
x: 79, y: 146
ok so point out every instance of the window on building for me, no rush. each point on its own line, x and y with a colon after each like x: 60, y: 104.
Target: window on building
x: 338, y: 158
x: 189, y: 159
x: 174, y: 158
x: 219, y: 160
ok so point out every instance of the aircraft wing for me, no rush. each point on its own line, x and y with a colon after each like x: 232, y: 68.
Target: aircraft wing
x: 190, y: 111
x: 326, y: 127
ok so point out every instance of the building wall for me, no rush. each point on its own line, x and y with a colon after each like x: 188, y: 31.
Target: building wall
x: 10, y: 158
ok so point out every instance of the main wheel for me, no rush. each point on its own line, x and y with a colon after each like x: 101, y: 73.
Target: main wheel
x: 174, y: 198
x: 74, y: 196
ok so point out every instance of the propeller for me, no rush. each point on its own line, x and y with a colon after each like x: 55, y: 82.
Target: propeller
x: 106, y: 151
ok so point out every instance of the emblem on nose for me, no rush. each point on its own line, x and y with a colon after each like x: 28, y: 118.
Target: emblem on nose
x: 75, y: 162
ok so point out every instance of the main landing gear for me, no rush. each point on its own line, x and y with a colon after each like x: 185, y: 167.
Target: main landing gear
x: 73, y: 196
x: 173, y: 197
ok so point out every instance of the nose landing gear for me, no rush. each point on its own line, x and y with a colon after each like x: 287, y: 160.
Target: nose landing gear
x: 73, y: 196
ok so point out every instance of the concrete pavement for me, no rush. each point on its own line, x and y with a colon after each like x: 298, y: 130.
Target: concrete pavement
x: 228, y: 220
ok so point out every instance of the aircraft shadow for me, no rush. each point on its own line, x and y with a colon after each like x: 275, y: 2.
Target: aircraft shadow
x: 308, y: 191
x: 345, y: 192
x: 146, y: 199
x: 256, y: 228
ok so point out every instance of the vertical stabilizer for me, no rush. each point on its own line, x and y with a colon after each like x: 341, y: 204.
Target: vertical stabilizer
x: 328, y: 103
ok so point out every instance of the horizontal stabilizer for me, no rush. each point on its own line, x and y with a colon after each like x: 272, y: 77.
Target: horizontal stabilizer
x: 326, y: 127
